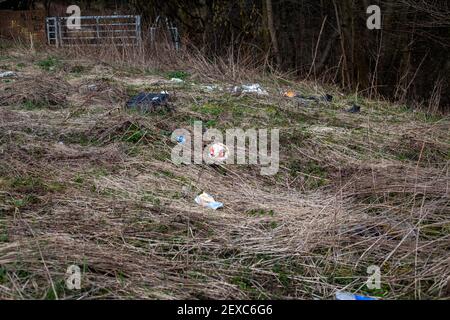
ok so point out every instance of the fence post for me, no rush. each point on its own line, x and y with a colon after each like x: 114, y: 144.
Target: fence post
x: 138, y: 30
x: 97, y: 21
x: 47, y: 27
x: 59, y: 40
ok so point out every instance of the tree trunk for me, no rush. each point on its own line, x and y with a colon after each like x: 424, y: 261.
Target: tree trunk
x: 272, y: 31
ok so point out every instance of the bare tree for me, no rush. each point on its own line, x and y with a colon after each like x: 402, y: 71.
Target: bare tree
x: 273, y: 34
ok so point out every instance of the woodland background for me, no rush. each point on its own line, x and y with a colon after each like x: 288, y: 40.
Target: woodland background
x: 407, y: 61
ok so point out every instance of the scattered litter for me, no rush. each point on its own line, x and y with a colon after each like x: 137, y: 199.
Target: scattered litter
x: 290, y: 94
x: 92, y: 87
x: 181, y: 139
x: 176, y: 80
x: 218, y: 152
x: 327, y: 97
x: 350, y: 296
x: 7, y: 74
x: 354, y: 109
x: 207, y: 201
x: 211, y: 88
x: 250, y: 88
x: 308, y: 99
x: 88, y: 88
x: 147, y: 102
x: 253, y: 88
x: 208, y: 88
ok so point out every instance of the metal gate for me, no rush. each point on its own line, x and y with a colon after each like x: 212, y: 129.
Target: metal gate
x: 95, y: 31
x: 173, y: 31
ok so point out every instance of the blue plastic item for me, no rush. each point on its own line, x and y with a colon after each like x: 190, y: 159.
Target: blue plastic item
x: 351, y: 296
x: 215, y: 205
x: 181, y: 139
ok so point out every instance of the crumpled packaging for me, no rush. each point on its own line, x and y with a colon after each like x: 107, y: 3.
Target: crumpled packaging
x: 207, y: 201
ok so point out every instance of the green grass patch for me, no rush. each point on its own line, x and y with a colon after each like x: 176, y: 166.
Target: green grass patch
x: 34, y: 105
x: 78, y: 179
x: 260, y: 212
x: 211, y: 109
x: 27, y: 184
x: 60, y: 287
x: 134, y: 134
x: 77, y: 70
x: 151, y: 198
x: 180, y: 74
x: 49, y: 64
x: 3, y: 275
x: 4, y: 237
x: 32, y: 185
x: 314, y: 174
x: 25, y: 201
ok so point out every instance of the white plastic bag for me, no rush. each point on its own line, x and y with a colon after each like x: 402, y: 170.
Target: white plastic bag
x: 207, y: 201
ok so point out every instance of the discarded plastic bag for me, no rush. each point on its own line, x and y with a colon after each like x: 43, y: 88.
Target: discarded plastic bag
x: 341, y: 295
x: 207, y: 201
x: 354, y: 109
x: 250, y: 88
x: 146, y: 102
x: 89, y: 88
x: 253, y: 88
x: 211, y: 88
x: 176, y: 80
x: 92, y: 87
x: 7, y: 74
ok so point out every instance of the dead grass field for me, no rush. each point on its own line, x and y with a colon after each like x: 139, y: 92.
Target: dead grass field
x: 85, y: 181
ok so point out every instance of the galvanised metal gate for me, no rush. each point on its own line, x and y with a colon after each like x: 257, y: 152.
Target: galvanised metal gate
x: 173, y: 31
x: 95, y: 31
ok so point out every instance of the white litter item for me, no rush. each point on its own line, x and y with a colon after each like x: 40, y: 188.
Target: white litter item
x: 7, y: 74
x: 92, y: 87
x: 218, y: 152
x: 207, y: 201
x: 211, y: 88
x: 176, y: 80
x: 254, y: 88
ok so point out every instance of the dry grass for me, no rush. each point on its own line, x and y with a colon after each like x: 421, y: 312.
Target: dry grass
x: 92, y: 184
x: 48, y: 91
